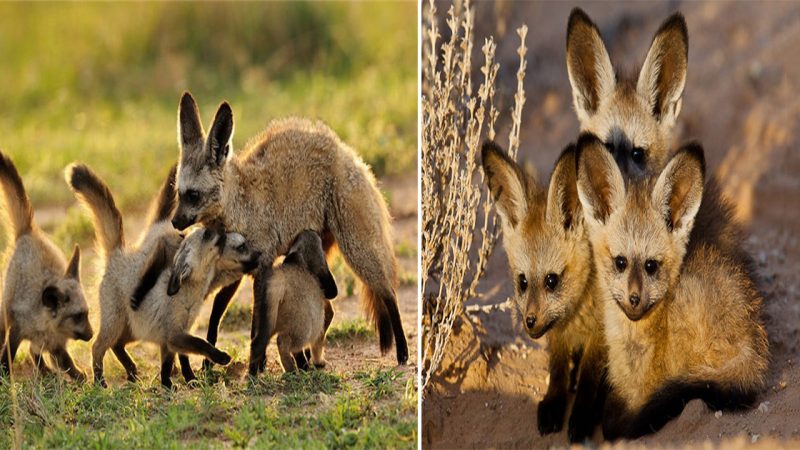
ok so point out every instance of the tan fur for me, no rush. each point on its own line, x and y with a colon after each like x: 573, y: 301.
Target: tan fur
x: 297, y: 175
x: 543, y: 233
x: 36, y: 267
x: 299, y: 312
x: 166, y: 318
x: 700, y: 293
x: 628, y: 113
x: 123, y: 264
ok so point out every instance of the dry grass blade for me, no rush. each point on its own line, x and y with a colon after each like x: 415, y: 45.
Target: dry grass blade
x: 458, y: 224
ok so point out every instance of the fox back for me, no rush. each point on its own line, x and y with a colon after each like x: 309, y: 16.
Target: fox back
x: 633, y: 117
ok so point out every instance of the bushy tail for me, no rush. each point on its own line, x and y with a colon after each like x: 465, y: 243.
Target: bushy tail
x: 93, y: 192
x: 20, y: 211
x: 164, y: 203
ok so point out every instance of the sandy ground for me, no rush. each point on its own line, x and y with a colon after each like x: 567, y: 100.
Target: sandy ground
x: 741, y: 101
x: 346, y: 357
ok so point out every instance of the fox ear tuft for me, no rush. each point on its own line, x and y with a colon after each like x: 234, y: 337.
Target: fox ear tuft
x: 601, y: 188
x: 74, y: 267
x: 678, y: 191
x: 591, y: 74
x: 190, y: 129
x: 507, y: 184
x: 563, y: 205
x: 219, y: 138
x: 663, y: 75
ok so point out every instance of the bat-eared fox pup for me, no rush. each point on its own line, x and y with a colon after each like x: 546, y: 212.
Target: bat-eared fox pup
x: 633, y: 117
x: 131, y: 273
x: 551, y: 268
x: 298, y: 290
x: 167, y: 306
x: 681, y: 321
x: 43, y: 301
x: 296, y: 175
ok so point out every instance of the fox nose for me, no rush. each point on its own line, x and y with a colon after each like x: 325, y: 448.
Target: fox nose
x: 530, y: 321
x: 634, y: 299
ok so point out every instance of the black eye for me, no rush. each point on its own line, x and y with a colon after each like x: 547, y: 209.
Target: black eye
x: 79, y: 317
x: 551, y: 282
x: 637, y: 155
x: 609, y: 146
x: 242, y: 248
x: 651, y: 266
x: 191, y: 196
x: 522, y: 282
x: 621, y: 263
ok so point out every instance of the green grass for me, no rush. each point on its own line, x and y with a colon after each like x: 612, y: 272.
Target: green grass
x: 101, y: 83
x: 350, y: 330
x: 308, y: 410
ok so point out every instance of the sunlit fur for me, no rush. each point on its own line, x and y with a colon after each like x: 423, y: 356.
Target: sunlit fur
x: 122, y: 263
x: 698, y: 321
x: 205, y: 261
x: 624, y: 111
x: 296, y: 175
x: 301, y: 312
x: 38, y: 270
x: 543, y: 233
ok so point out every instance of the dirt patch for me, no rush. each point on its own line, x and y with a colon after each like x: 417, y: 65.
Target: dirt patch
x: 741, y: 103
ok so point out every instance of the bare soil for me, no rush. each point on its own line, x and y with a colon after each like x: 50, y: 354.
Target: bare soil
x: 741, y: 102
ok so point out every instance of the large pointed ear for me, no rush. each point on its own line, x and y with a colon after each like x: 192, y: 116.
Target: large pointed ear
x: 190, y: 129
x: 679, y: 189
x: 74, y: 267
x: 601, y: 188
x: 663, y: 73
x: 181, y: 270
x: 219, y: 138
x: 507, y: 184
x: 563, y: 205
x: 589, y: 68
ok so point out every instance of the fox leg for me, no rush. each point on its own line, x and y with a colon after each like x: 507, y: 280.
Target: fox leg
x: 10, y: 349
x: 550, y: 413
x: 186, y: 368
x: 262, y: 326
x: 221, y: 302
x: 583, y: 418
x: 127, y: 362
x: 183, y: 343
x: 64, y: 362
x: 287, y: 359
x: 167, y: 363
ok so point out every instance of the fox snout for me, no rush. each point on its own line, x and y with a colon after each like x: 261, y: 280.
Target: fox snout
x: 85, y: 335
x: 182, y: 222
x: 252, y: 263
x: 535, y: 325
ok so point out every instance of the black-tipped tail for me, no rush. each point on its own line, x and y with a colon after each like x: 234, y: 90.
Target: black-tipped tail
x: 95, y: 194
x: 20, y: 211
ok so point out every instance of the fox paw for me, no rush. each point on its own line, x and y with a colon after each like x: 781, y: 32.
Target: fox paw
x: 550, y: 414
x: 223, y: 359
x: 581, y: 425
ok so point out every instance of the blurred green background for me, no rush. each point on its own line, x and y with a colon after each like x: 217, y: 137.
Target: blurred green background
x: 100, y: 83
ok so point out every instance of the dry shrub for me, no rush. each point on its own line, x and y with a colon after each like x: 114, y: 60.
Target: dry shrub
x: 458, y: 224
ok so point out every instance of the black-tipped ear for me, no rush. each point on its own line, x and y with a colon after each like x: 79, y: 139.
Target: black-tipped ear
x: 190, y: 129
x: 328, y: 285
x: 174, y: 284
x: 663, y: 75
x: 563, y: 205
x: 74, y: 267
x: 589, y: 68
x: 678, y: 191
x: 51, y: 298
x: 601, y: 188
x: 219, y: 139
x: 507, y: 184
